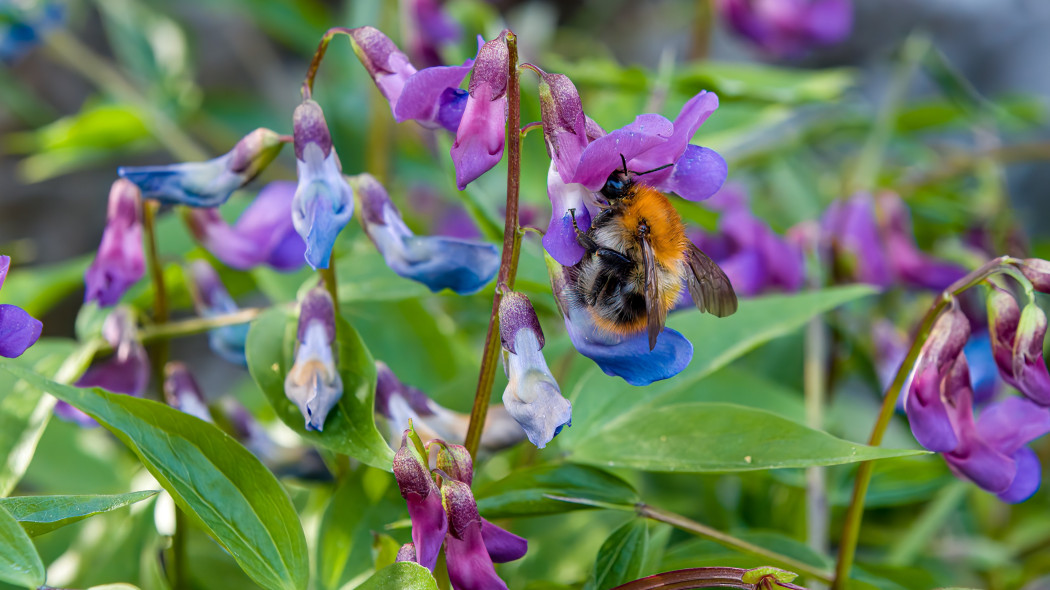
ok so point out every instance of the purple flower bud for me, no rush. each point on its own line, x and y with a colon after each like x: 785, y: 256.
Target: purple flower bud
x: 407, y: 552
x: 564, y: 123
x: 125, y: 371
x: 1037, y: 271
x: 429, y: 522
x: 211, y: 299
x: 480, y: 135
x: 515, y: 314
x: 18, y: 329
x: 532, y: 395
x: 789, y: 28
x: 431, y: 96
x: 399, y: 403
x: 313, y: 382
x: 469, y: 564
x: 924, y: 404
x: 207, y: 184
x: 323, y: 202
x: 120, y: 262
x: 455, y: 460
x: 182, y: 392
x: 625, y: 356
x: 464, y: 266
x: 263, y: 234
x: 1017, y: 345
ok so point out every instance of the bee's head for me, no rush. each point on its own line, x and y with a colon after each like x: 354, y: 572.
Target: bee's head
x: 618, y: 182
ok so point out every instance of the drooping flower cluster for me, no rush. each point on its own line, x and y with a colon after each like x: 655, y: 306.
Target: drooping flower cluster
x: 789, y: 28
x: 120, y: 261
x: 445, y: 513
x: 18, y: 329
x: 313, y: 381
x: 991, y: 450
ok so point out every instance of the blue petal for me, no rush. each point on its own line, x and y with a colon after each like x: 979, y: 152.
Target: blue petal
x: 464, y: 266
x: 323, y: 204
x: 629, y: 356
x: 18, y: 330
x: 1026, y: 482
x: 228, y: 342
x: 196, y: 184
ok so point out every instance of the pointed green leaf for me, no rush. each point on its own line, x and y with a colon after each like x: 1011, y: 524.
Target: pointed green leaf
x: 19, y: 562
x: 350, y: 427
x: 232, y: 495
x: 715, y: 437
x: 525, y: 491
x: 43, y: 514
x: 623, y: 556
x: 403, y: 575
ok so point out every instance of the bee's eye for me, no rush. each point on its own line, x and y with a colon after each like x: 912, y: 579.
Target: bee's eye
x: 613, y: 188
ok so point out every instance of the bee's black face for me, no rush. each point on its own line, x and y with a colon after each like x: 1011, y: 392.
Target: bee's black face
x: 616, y: 185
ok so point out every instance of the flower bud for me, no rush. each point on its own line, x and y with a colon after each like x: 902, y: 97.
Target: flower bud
x: 313, y: 382
x: 182, y: 392
x: 429, y: 521
x: 120, y: 261
x: 1017, y: 345
x: 1037, y: 270
x: 323, y: 202
x: 211, y: 299
x: 516, y: 313
x: 407, y: 552
x: 480, y: 135
x: 464, y: 266
x: 207, y: 184
x: 925, y: 404
x: 263, y: 234
x: 564, y: 123
x: 455, y: 460
x: 469, y: 563
x: 18, y: 329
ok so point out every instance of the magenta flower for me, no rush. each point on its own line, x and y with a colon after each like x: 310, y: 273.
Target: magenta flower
x: 18, y: 329
x: 470, y: 567
x: 210, y: 298
x: 313, y: 381
x: 182, y: 392
x: 1017, y: 345
x: 208, y: 184
x: 429, y: 522
x: 430, y: 96
x: 263, y: 234
x: 323, y: 203
x: 789, y: 28
x: 908, y: 264
x: 120, y: 261
x: 125, y: 371
x: 464, y: 266
x: 480, y: 135
x: 532, y: 395
x: 924, y: 403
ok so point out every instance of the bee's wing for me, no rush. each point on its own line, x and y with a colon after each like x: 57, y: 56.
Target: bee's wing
x: 708, y: 285
x: 653, y: 305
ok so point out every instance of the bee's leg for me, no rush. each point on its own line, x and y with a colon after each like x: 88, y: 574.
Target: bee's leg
x: 582, y: 237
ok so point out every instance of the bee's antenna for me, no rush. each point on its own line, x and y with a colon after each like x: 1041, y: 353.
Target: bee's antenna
x: 624, y: 160
x: 654, y: 169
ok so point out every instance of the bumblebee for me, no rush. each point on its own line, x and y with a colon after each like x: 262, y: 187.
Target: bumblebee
x: 638, y: 258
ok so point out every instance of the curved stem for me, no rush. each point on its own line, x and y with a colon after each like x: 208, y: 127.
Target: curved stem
x: 697, y: 577
x: 315, y: 63
x: 508, y: 268
x: 855, y: 512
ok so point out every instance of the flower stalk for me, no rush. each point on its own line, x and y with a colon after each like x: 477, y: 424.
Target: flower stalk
x: 509, y: 260
x: 855, y: 511
x: 315, y: 63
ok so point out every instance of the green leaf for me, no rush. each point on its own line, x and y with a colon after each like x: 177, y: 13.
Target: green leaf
x: 714, y: 437
x: 210, y: 475
x: 335, y: 540
x: 622, y: 557
x: 43, y: 514
x: 597, y: 398
x: 404, y: 575
x: 350, y: 427
x: 25, y: 411
x: 764, y: 82
x: 19, y: 562
x: 524, y: 492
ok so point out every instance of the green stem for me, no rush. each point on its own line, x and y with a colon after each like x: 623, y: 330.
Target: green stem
x: 699, y: 577
x: 315, y: 63
x: 701, y: 530
x: 508, y: 268
x: 68, y: 50
x: 329, y: 281
x: 159, y: 350
x: 814, y: 373
x: 855, y: 512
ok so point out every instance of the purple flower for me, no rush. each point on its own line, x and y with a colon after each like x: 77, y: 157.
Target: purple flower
x: 431, y: 96
x: 313, y: 382
x: 583, y: 156
x: 907, y: 263
x: 788, y: 28
x: 182, y: 392
x: 1017, y: 345
x: 263, y: 234
x: 441, y: 216
x: 473, y: 543
x: 125, y: 371
x: 480, y: 134
x: 924, y: 402
x: 211, y: 299
x: 532, y: 395
x: 851, y: 234
x: 464, y: 266
x: 323, y: 202
x: 120, y: 262
x: 208, y: 184
x: 23, y: 26
x: 399, y: 403
x: 428, y: 29
x: 429, y: 522
x: 626, y: 356
x: 755, y: 258
x: 18, y: 329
